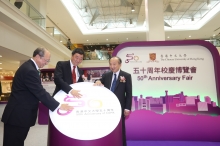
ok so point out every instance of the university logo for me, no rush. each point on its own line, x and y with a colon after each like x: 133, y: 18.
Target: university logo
x: 152, y: 57
x: 131, y: 58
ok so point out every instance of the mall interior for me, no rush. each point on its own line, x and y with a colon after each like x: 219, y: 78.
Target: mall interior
x: 97, y: 27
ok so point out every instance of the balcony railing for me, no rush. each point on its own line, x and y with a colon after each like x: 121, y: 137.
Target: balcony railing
x: 45, y: 23
x: 215, y: 40
x: 98, y: 55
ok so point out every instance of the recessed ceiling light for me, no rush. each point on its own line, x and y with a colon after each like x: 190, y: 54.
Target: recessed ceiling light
x: 87, y: 40
x: 127, y: 38
x: 0, y: 68
x: 0, y: 55
x: 106, y: 39
x: 213, y: 34
x: 168, y: 37
x: 61, y: 41
x: 0, y: 63
x: 190, y: 36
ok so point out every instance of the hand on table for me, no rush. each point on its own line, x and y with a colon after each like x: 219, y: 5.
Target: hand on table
x: 98, y: 83
x: 76, y: 93
x: 66, y: 107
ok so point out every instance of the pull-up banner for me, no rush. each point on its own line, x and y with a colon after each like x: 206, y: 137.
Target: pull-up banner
x: 175, y: 89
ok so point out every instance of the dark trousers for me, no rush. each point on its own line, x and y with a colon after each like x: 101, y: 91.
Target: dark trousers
x: 123, y: 131
x: 14, y: 135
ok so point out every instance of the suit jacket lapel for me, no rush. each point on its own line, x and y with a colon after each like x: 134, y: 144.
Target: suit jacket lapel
x: 109, y: 80
x: 118, y: 80
x: 69, y: 72
x: 79, y: 73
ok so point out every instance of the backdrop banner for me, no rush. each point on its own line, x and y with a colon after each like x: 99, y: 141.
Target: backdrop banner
x: 175, y: 90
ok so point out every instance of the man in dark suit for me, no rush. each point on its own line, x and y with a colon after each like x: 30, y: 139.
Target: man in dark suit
x: 120, y: 83
x: 68, y: 72
x: 21, y: 110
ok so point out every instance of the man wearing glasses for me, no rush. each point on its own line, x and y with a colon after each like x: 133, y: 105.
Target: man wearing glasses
x: 21, y: 110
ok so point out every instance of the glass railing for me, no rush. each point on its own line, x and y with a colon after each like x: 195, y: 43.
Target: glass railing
x: 98, y: 55
x: 54, y: 31
x: 30, y: 11
x: 215, y: 40
x: 45, y: 23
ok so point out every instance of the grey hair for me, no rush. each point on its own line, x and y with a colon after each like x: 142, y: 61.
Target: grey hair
x: 39, y: 51
x: 119, y: 59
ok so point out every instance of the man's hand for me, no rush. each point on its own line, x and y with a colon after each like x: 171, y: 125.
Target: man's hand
x: 76, y: 93
x: 66, y: 107
x: 98, y: 83
x: 126, y: 113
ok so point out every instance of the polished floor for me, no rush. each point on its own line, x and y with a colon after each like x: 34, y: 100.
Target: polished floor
x: 38, y: 137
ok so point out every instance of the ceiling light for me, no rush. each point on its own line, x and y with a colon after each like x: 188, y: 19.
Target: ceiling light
x: 0, y: 68
x: 0, y: 63
x: 127, y: 38
x: 0, y: 55
x: 168, y: 37
x: 190, y: 36
x: 61, y: 41
x: 87, y: 40
x: 132, y: 7
x: 106, y: 39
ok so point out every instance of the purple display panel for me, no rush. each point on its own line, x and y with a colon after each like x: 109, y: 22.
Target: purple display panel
x: 43, y: 114
x: 55, y: 138
x: 182, y: 123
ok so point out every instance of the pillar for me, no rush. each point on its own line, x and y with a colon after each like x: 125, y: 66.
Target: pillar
x: 154, y: 20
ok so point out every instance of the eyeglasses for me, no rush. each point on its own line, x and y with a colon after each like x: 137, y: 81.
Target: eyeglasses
x: 46, y: 60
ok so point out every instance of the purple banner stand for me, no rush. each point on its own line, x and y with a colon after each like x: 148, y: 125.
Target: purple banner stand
x: 43, y: 114
x: 55, y: 138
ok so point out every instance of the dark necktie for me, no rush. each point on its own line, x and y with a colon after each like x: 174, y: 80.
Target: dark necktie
x: 113, y: 84
x: 74, y: 74
x: 39, y: 71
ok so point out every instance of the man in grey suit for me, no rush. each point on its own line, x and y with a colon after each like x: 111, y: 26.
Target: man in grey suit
x: 21, y: 110
x: 120, y: 83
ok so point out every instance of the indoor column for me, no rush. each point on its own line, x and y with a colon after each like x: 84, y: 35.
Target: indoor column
x: 154, y: 20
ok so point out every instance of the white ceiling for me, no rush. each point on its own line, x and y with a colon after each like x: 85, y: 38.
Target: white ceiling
x: 183, y: 10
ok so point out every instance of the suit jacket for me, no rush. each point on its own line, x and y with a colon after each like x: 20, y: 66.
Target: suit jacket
x: 27, y: 91
x: 123, y: 90
x: 63, y: 76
